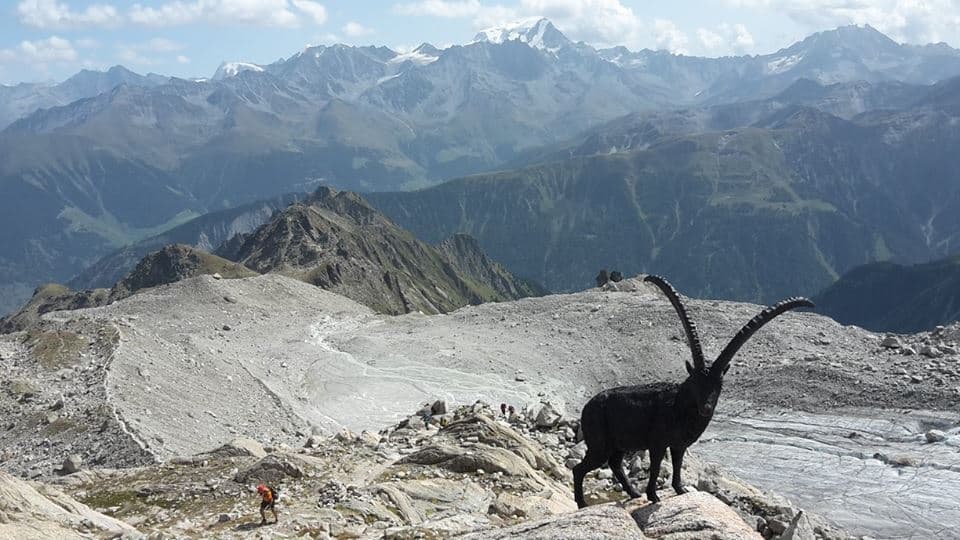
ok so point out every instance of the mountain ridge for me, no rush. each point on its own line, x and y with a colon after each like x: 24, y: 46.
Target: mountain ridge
x: 337, y: 241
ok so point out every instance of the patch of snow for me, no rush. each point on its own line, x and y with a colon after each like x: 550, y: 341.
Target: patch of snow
x: 415, y: 56
x: 232, y: 69
x: 783, y: 64
x: 382, y: 80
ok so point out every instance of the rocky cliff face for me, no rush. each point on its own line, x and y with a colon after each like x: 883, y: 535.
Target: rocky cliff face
x: 338, y: 242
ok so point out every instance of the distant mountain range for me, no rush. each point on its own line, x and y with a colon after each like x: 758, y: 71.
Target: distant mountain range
x: 134, y: 156
x: 751, y: 201
x: 24, y: 99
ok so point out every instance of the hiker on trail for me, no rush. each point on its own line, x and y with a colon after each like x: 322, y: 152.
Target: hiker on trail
x: 269, y: 496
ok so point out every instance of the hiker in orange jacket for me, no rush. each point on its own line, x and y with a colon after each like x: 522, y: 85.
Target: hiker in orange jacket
x: 269, y: 496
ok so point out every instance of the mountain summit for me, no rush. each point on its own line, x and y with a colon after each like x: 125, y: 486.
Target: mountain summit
x: 536, y: 32
x: 337, y: 241
x: 232, y: 69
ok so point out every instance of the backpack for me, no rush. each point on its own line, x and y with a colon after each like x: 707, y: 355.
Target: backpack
x: 274, y: 492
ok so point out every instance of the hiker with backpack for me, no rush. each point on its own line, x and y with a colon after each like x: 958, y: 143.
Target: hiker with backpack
x: 269, y: 500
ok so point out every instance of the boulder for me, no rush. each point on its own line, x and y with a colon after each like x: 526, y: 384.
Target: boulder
x: 345, y: 436
x: 439, y: 407
x: 72, y: 464
x: 935, y: 435
x: 690, y: 517
x: 597, y: 522
x: 492, y: 433
x: 461, y: 460
x: 272, y: 469
x: 370, y: 438
x: 602, y: 278
x: 578, y: 451
x: 891, y: 342
x: 548, y: 416
x: 799, y: 529
x: 240, y: 446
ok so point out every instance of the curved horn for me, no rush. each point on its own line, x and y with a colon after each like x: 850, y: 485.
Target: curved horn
x: 688, y: 326
x: 723, y: 361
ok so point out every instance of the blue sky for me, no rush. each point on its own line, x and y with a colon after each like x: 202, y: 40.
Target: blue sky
x: 52, y: 39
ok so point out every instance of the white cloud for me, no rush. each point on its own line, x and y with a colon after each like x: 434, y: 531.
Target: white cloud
x: 87, y: 43
x: 53, y: 14
x: 324, y: 39
x: 150, y: 52
x: 314, y: 10
x: 181, y: 59
x: 132, y: 56
x: 355, y: 29
x: 450, y: 9
x: 489, y: 16
x: 161, y: 45
x: 726, y: 39
x: 711, y: 40
x: 52, y: 49
x: 277, y: 13
x: 225, y: 12
x: 668, y: 36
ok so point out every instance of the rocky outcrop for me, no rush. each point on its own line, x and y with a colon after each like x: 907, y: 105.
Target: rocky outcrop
x: 692, y: 516
x: 170, y: 264
x: 595, y: 523
x: 42, y: 512
x: 174, y: 263
x: 241, y: 446
x: 51, y: 297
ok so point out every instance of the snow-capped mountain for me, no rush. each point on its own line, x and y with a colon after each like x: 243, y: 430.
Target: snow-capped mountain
x: 232, y: 69
x: 536, y: 32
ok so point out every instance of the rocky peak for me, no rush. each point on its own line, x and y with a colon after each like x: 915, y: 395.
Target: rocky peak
x: 174, y: 263
x: 337, y: 241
